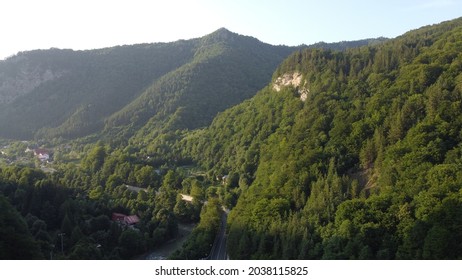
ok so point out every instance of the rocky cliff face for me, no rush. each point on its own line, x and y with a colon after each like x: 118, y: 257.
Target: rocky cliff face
x: 22, y: 79
x: 294, y: 80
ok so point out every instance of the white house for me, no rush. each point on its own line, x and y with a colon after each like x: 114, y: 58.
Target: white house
x: 42, y: 154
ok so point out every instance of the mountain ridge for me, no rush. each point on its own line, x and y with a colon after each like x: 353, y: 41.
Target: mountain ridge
x: 65, y: 93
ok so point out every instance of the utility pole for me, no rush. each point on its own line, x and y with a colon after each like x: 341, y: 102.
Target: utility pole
x: 51, y: 252
x: 62, y: 243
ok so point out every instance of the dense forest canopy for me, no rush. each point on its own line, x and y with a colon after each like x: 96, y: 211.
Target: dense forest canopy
x: 347, y: 153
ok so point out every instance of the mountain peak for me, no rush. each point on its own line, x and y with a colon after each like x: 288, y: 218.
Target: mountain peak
x: 221, y: 34
x: 222, y: 31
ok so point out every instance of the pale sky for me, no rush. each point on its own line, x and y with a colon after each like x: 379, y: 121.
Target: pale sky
x: 89, y: 24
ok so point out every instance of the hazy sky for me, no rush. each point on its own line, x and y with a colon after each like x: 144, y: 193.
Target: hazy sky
x: 88, y: 24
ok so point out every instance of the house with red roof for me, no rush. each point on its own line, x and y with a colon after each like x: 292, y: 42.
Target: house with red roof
x: 125, y: 219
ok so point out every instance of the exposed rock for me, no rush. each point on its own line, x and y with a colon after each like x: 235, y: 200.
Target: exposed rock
x: 303, y: 94
x: 294, y: 80
x: 287, y: 80
x: 25, y: 80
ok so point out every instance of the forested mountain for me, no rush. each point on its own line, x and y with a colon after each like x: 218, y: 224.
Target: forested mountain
x: 64, y: 93
x: 71, y: 93
x: 148, y: 99
x: 225, y: 69
x: 347, y: 155
x: 46, y: 89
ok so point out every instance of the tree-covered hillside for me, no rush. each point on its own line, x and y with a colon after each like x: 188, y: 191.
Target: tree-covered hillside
x: 226, y: 69
x: 71, y: 208
x: 360, y: 158
x: 51, y: 93
x: 163, y: 86
x: 351, y: 154
x: 69, y: 93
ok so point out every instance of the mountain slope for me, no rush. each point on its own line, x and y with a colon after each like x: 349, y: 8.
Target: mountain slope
x: 353, y: 154
x: 226, y: 69
x: 65, y: 93
x: 43, y: 89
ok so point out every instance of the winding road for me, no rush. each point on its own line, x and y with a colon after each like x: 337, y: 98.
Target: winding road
x: 218, y: 251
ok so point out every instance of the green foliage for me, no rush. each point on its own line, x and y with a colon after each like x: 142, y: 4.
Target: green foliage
x: 94, y: 160
x: 363, y: 166
x: 201, y: 239
x: 73, y: 207
x: 367, y: 165
x: 16, y: 241
x: 132, y: 243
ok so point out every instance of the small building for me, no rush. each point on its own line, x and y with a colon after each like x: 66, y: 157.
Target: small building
x: 124, y: 219
x: 131, y: 220
x: 186, y: 197
x: 117, y: 217
x: 42, y: 154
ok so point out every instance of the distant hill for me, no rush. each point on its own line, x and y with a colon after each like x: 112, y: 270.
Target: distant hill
x: 344, y: 45
x: 66, y: 93
x: 69, y: 93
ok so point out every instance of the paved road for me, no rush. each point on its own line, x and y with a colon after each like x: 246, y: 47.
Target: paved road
x: 219, y: 246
